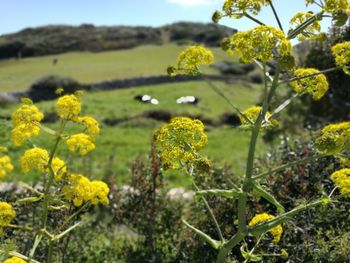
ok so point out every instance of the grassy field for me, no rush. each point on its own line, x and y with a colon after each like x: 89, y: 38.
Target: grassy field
x: 131, y: 139
x: 87, y: 67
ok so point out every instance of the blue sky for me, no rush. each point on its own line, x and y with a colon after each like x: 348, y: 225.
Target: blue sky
x: 19, y: 14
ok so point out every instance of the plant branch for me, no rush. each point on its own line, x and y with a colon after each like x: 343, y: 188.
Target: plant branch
x: 220, y: 93
x: 276, y: 15
x: 311, y: 75
x: 284, y: 166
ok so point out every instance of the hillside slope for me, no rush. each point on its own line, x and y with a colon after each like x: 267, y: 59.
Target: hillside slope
x: 56, y: 39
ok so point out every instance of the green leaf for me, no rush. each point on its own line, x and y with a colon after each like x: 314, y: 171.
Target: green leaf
x: 217, y: 192
x: 214, y: 243
x: 268, y: 197
x: 31, y: 199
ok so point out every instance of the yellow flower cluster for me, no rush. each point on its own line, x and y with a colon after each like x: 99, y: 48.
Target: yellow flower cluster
x: 180, y: 140
x: 81, y: 190
x: 334, y: 138
x: 336, y: 6
x: 7, y: 214
x: 26, y: 122
x: 59, y: 168
x: 34, y: 159
x: 252, y: 114
x: 68, y: 107
x: 237, y: 8
x: 275, y: 231
x: 309, y: 33
x: 5, y: 166
x: 190, y: 59
x: 341, y: 179
x: 260, y: 43
x: 316, y: 85
x: 81, y: 143
x: 91, y: 125
x: 15, y: 260
x: 341, y: 53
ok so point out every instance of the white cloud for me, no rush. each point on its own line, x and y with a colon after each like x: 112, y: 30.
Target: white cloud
x: 193, y: 2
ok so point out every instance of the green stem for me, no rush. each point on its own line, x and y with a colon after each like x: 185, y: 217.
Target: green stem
x: 50, y: 251
x: 228, y: 246
x: 284, y: 166
x: 304, y: 25
x: 73, y: 215
x: 218, y: 230
x: 276, y: 15
x: 221, y: 94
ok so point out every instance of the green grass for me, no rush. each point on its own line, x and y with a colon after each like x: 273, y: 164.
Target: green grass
x: 87, y: 67
x: 132, y: 139
x: 119, y: 145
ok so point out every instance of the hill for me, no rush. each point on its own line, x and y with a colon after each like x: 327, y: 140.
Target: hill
x: 56, y: 39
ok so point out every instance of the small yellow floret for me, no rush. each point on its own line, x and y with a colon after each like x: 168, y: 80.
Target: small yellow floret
x: 100, y: 192
x: 341, y: 54
x: 236, y: 8
x: 68, y: 107
x: 190, y: 59
x: 59, y: 168
x: 275, y: 231
x: 261, y: 43
x: 341, y: 179
x: 81, y: 143
x: 34, y: 159
x: 180, y: 140
x: 5, y: 166
x: 92, y: 126
x: 26, y: 122
x: 316, y: 85
x: 7, y: 214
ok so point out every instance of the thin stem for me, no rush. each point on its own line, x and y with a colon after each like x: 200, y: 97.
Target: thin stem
x: 227, y: 247
x: 254, y: 19
x: 276, y: 15
x: 74, y: 215
x: 26, y: 228
x: 253, y: 249
x: 284, y: 166
x: 261, y: 66
x: 220, y: 93
x: 304, y: 25
x: 218, y: 230
x: 283, y: 105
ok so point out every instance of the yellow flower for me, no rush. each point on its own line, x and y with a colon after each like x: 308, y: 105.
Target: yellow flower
x: 91, y: 125
x: 275, y: 231
x: 68, y: 107
x: 310, y: 32
x: 79, y: 189
x: 316, y: 85
x: 7, y: 214
x: 336, y: 6
x: 100, y: 193
x: 15, y: 260
x: 252, y: 114
x: 81, y: 143
x: 341, y: 179
x: 341, y: 54
x: 236, y: 8
x: 5, y: 166
x: 334, y: 138
x: 190, y: 59
x: 180, y: 140
x: 59, y: 168
x: 26, y: 122
x: 34, y: 159
x: 260, y: 43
